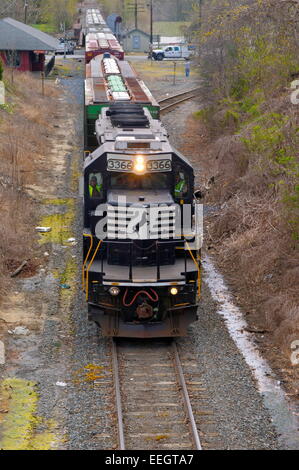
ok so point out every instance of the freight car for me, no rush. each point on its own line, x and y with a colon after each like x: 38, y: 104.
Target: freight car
x: 100, y: 42
x: 109, y: 80
x: 141, y: 270
x: 99, y: 38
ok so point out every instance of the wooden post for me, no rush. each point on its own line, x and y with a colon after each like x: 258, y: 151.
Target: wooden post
x: 136, y: 14
x: 174, y: 72
x: 64, y: 53
x: 43, y: 83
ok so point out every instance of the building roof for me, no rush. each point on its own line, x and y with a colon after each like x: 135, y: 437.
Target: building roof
x: 172, y: 40
x: 18, y: 36
x: 138, y: 31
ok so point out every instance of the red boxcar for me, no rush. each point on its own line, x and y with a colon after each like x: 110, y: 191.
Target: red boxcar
x: 98, y: 43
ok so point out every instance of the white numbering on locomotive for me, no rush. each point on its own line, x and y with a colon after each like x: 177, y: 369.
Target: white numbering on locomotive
x: 124, y: 164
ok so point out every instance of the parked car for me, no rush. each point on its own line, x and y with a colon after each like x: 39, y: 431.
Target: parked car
x: 68, y: 46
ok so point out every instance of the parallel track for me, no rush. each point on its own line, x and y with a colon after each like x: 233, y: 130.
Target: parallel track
x: 171, y: 101
x: 152, y: 402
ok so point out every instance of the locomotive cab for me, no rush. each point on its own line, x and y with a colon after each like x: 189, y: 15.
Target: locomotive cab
x: 141, y: 270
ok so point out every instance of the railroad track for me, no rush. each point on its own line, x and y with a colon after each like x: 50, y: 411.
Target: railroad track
x: 153, y: 407
x: 174, y: 100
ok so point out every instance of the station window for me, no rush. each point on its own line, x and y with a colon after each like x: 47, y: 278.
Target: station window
x: 35, y: 58
x: 95, y: 185
x: 13, y: 58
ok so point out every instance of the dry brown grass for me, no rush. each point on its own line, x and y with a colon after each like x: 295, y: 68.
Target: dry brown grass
x: 16, y: 232
x: 282, y: 319
x: 259, y: 256
x: 288, y: 329
x: 251, y: 235
x: 30, y: 86
x: 22, y: 144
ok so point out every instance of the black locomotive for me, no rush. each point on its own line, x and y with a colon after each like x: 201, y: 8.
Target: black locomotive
x: 142, y: 228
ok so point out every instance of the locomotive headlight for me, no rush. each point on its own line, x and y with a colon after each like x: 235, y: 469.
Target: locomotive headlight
x: 139, y: 164
x: 114, y: 291
x: 174, y: 291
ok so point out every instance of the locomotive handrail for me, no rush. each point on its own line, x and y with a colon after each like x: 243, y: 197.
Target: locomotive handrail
x: 158, y: 260
x: 158, y: 242
x: 131, y: 265
x: 88, y: 267
x: 198, y: 269
x: 85, y: 261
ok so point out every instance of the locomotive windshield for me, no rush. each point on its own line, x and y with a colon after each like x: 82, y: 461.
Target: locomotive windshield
x: 131, y: 181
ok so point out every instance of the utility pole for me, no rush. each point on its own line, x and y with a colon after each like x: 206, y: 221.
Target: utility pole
x: 200, y: 13
x: 174, y: 72
x: 151, y: 22
x: 150, y: 5
x: 136, y: 14
x: 138, y: 8
x: 25, y: 11
x: 64, y: 55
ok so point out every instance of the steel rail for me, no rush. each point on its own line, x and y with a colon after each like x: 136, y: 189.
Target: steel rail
x: 177, y: 95
x: 183, y: 387
x: 187, y: 402
x: 171, y: 105
x: 121, y: 437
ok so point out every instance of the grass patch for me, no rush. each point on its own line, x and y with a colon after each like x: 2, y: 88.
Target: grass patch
x: 69, y: 274
x: 44, y: 27
x: 170, y: 28
x: 57, y: 202
x: 61, y: 224
x: 20, y: 422
x: 163, y: 70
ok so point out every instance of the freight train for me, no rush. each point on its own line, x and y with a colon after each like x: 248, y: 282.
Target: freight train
x: 98, y: 38
x: 109, y: 81
x: 142, y: 222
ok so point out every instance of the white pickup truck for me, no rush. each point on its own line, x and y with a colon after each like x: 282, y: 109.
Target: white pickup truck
x: 172, y: 52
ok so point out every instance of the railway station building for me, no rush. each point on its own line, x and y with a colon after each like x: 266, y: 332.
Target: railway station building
x: 24, y: 47
x: 136, y: 41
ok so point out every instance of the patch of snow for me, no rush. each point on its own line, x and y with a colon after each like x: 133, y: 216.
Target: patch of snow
x: 274, y: 397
